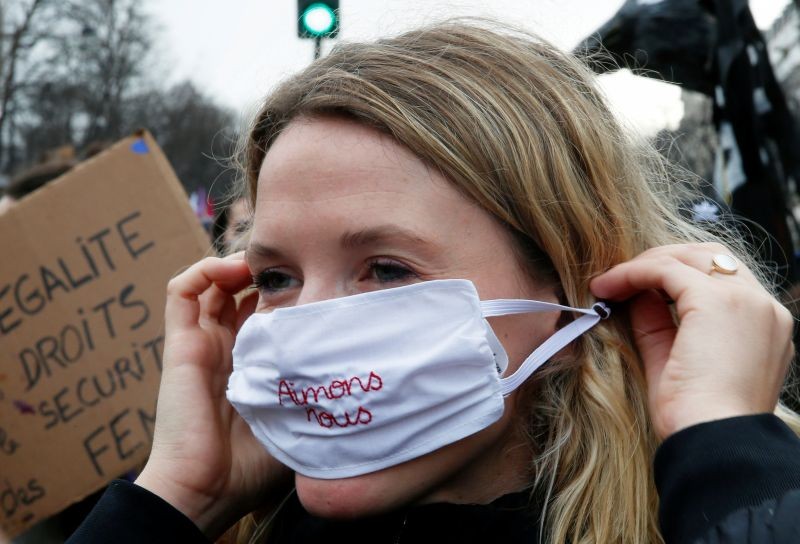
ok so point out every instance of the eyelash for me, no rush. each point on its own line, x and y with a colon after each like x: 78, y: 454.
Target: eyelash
x: 405, y: 272
x: 261, y: 281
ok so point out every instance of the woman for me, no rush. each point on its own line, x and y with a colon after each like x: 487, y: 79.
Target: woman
x: 459, y: 152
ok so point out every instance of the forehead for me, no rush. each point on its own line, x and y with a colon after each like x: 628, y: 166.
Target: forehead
x: 326, y: 178
x: 324, y: 158
x: 333, y: 173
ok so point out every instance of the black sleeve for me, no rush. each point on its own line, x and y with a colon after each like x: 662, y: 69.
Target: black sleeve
x: 128, y: 514
x: 772, y: 522
x: 723, y: 479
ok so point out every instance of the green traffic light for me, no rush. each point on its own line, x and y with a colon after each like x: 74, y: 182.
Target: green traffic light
x: 318, y: 19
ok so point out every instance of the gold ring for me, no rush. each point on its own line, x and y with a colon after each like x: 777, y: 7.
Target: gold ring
x: 724, y: 264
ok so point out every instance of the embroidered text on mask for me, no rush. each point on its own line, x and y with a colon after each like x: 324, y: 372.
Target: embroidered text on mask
x: 335, y: 390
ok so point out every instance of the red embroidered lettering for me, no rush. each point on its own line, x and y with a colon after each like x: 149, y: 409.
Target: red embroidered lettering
x: 328, y: 420
x: 375, y: 382
x: 339, y: 389
x: 367, y: 416
x: 336, y: 390
x: 357, y: 379
x: 284, y: 389
x: 315, y: 391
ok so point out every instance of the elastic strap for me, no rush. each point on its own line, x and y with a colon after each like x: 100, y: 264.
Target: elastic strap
x: 552, y: 345
x: 505, y: 306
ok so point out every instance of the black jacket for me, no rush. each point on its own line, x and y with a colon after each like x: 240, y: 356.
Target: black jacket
x: 731, y: 481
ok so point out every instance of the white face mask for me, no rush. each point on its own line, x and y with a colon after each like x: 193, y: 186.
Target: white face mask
x: 353, y: 385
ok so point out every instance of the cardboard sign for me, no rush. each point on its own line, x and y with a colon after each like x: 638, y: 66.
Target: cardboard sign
x: 84, y: 264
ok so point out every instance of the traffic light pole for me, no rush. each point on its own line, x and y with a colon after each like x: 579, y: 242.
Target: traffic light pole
x: 317, y: 47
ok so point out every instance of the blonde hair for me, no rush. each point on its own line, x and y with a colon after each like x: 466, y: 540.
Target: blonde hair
x: 520, y: 128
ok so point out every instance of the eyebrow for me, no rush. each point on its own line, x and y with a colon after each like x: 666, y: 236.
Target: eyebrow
x: 372, y: 236
x: 382, y: 234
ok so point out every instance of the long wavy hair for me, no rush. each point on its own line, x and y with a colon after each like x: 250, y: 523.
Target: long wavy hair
x: 520, y: 128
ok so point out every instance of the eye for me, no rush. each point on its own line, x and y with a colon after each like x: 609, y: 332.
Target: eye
x: 388, y: 271
x: 272, y: 281
x: 241, y: 227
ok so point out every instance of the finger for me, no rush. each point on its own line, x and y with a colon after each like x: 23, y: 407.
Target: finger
x: 230, y: 274
x: 654, y: 332
x: 238, y: 256
x: 246, y: 308
x: 661, y: 273
x: 700, y: 256
x: 217, y: 306
x: 183, y: 291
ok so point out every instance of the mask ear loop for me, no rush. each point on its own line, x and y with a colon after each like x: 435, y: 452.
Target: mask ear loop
x: 552, y: 345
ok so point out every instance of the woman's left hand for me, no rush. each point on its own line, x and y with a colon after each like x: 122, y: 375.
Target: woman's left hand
x: 730, y: 349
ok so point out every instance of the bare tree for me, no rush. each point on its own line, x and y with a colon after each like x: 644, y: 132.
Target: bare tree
x: 22, y: 28
x: 101, y: 56
x: 196, y: 134
x: 89, y: 81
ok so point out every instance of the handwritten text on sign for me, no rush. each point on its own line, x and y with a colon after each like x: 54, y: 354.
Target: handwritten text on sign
x: 81, y: 319
x: 73, y: 342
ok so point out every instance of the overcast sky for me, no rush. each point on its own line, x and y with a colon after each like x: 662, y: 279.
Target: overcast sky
x: 237, y: 50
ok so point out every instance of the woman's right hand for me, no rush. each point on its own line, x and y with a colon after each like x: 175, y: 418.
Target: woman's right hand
x: 205, y: 461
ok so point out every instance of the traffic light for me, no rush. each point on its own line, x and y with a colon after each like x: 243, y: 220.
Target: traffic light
x: 317, y: 19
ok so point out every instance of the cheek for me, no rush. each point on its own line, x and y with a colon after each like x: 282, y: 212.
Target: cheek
x: 522, y: 334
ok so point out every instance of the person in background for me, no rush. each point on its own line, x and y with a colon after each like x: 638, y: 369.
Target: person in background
x: 5, y: 202
x: 415, y: 199
x: 31, y: 179
x: 54, y: 164
x: 230, y: 225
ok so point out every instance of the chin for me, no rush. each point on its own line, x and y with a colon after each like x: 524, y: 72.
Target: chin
x: 345, y: 498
